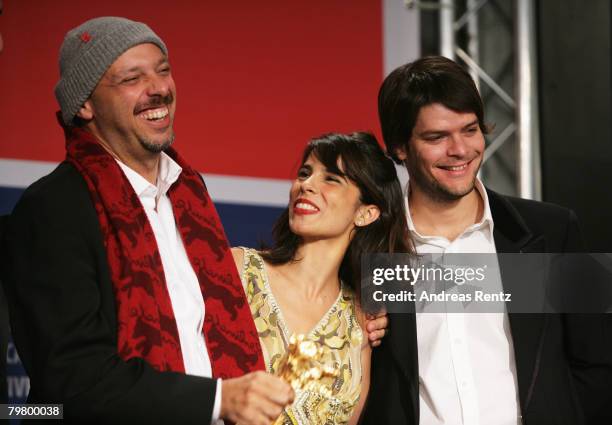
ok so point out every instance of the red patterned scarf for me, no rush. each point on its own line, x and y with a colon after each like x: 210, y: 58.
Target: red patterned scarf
x: 146, y: 324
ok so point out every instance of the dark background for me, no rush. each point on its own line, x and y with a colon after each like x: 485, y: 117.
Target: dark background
x: 574, y: 76
x: 576, y: 118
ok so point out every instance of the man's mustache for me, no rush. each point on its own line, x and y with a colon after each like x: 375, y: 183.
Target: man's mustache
x: 155, y: 102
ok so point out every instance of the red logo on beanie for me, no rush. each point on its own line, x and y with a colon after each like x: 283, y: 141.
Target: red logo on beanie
x: 85, y: 37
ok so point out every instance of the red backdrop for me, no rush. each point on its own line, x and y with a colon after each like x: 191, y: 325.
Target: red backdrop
x: 255, y: 80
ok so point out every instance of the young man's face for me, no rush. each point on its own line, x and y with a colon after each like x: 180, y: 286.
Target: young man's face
x: 444, y: 153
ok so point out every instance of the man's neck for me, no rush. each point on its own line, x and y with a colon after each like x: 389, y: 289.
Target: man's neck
x: 148, y: 169
x: 447, y: 219
x: 144, y: 163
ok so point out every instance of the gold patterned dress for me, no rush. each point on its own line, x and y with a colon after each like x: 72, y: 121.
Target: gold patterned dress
x: 338, y: 331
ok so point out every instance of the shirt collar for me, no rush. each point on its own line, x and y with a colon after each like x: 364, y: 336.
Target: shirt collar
x: 487, y: 217
x: 169, y: 172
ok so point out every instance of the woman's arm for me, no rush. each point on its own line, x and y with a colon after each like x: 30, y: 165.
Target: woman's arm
x: 366, y: 355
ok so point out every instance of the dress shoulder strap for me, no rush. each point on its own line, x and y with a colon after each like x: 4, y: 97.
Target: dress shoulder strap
x: 252, y: 272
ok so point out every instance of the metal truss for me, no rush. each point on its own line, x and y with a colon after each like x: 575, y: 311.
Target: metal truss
x: 495, y: 39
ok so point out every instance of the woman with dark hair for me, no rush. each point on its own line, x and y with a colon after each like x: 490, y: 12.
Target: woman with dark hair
x: 345, y: 202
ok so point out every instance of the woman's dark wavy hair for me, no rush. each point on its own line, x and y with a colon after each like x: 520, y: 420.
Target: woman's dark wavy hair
x: 366, y: 165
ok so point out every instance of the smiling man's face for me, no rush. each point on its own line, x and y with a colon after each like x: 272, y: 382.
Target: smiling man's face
x: 132, y: 108
x: 444, y: 153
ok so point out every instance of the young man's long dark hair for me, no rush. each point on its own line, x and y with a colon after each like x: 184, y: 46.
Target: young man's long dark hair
x: 366, y: 165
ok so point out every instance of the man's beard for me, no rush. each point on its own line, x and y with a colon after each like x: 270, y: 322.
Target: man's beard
x: 431, y: 187
x: 157, y: 147
x: 157, y: 101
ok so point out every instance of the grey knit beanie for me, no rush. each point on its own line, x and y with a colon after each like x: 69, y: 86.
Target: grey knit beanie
x: 88, y: 51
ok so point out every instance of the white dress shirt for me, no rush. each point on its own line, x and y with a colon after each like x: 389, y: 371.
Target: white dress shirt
x: 467, y: 373
x: 181, y: 280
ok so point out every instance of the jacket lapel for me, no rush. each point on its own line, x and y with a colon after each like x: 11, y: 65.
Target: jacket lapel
x: 512, y: 235
x: 403, y: 343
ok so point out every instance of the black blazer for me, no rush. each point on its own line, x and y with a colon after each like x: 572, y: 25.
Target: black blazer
x: 4, y: 330
x: 63, y: 316
x: 563, y: 362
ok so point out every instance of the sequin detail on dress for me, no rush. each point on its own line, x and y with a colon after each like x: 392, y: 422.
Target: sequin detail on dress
x: 338, y: 330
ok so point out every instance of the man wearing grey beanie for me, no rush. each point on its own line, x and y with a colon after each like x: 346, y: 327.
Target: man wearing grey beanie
x: 125, y: 302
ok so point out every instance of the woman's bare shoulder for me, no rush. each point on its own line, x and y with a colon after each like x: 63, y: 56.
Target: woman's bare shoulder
x: 238, y: 254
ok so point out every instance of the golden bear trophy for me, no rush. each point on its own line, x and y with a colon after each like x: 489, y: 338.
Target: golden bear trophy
x: 302, y: 367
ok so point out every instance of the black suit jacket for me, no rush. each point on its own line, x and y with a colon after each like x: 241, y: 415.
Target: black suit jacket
x: 63, y: 316
x: 4, y: 331
x: 563, y: 361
